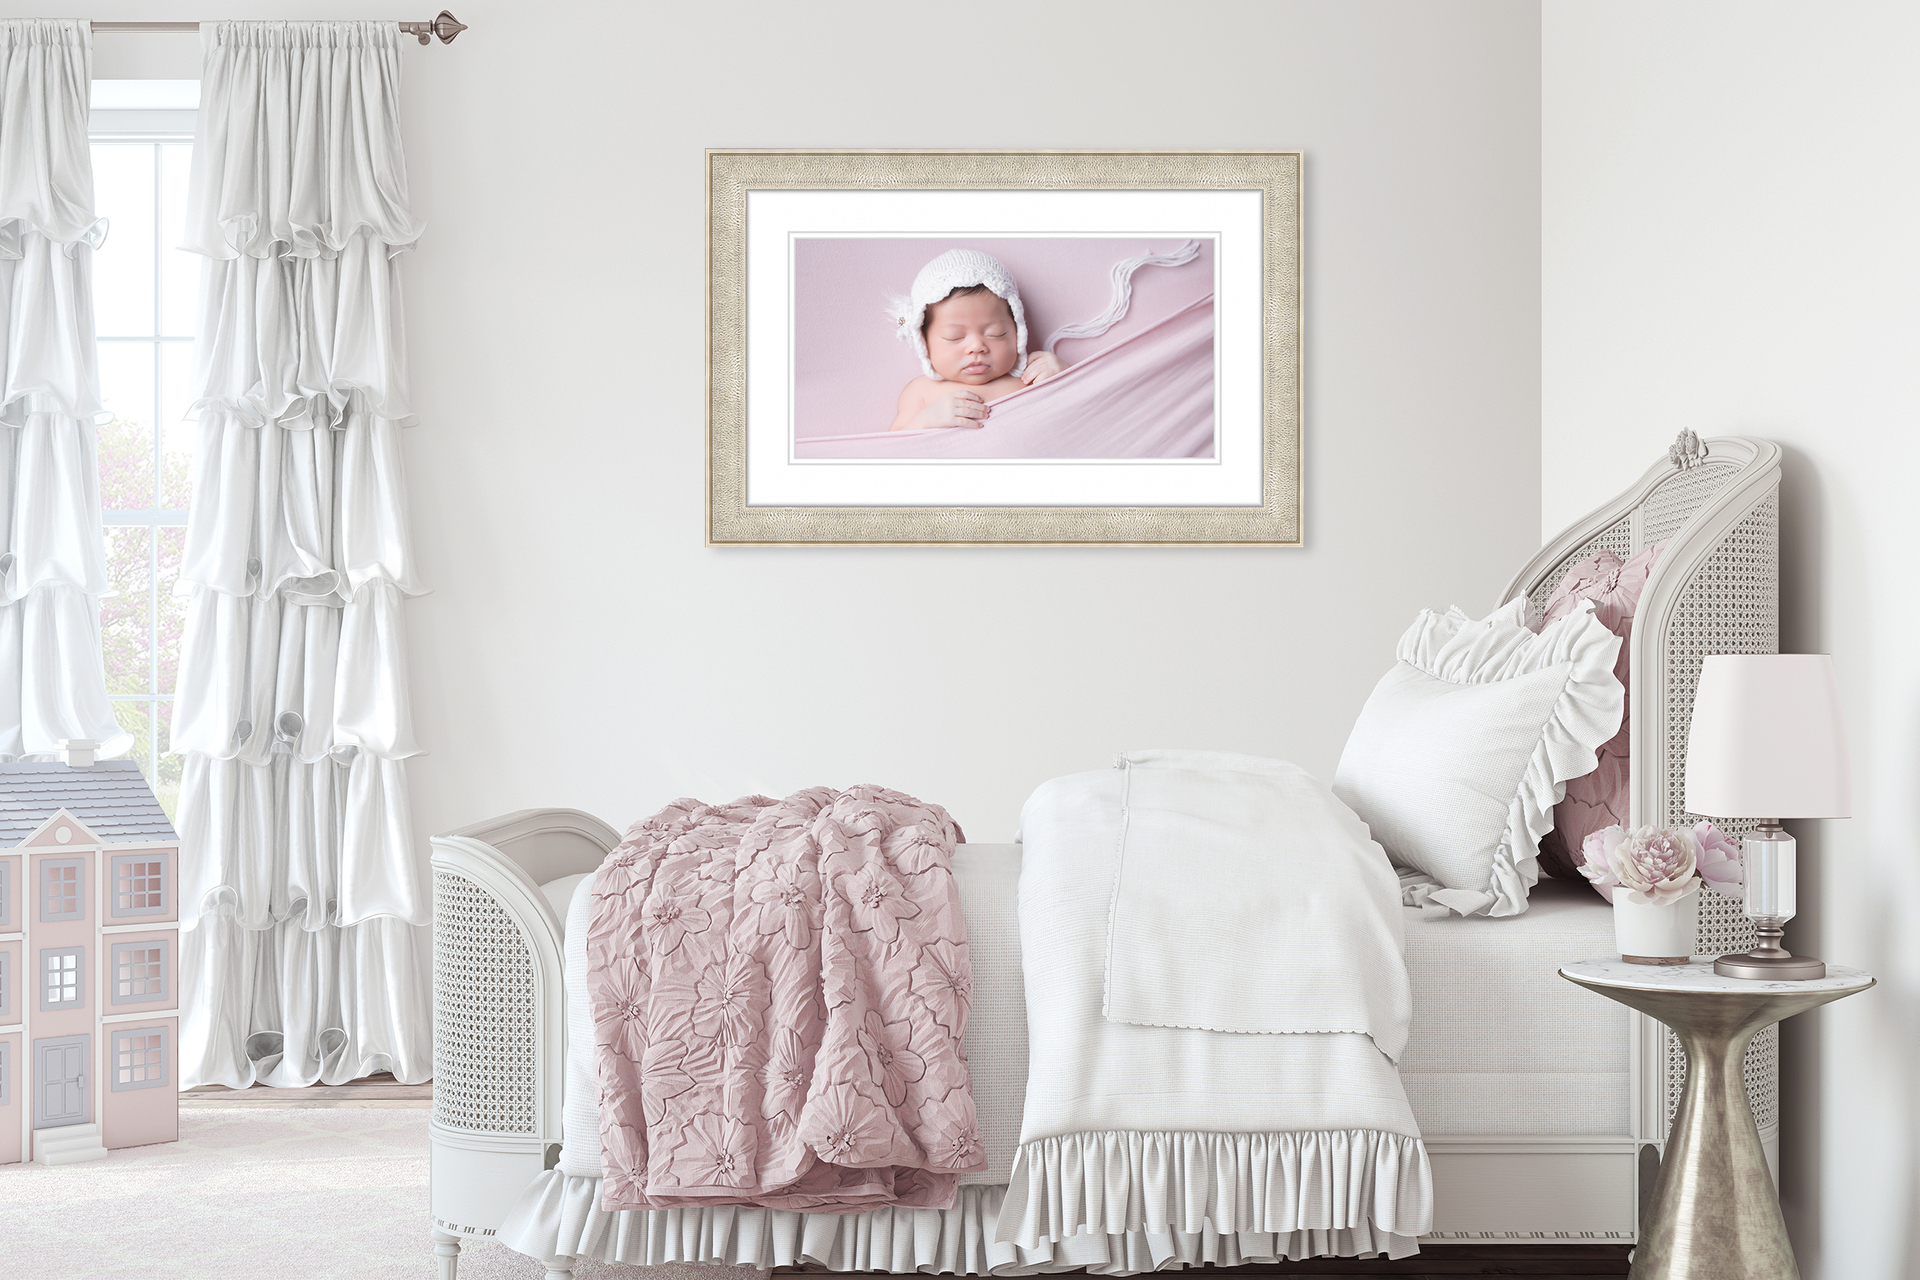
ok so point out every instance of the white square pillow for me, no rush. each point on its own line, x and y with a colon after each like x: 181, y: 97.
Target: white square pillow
x: 1466, y: 745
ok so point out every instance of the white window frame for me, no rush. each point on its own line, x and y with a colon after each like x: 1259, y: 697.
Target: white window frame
x: 47, y: 1003
x: 156, y: 128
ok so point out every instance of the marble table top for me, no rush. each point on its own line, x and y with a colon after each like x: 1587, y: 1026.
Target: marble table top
x: 1698, y: 975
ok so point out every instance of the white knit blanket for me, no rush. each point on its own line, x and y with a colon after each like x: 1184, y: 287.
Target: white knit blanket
x: 1156, y: 1128
x: 1249, y: 899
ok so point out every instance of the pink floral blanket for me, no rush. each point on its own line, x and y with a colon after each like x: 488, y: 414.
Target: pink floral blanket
x: 780, y: 989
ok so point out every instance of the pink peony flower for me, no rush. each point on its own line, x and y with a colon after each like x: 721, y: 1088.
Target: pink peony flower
x: 1719, y: 860
x: 1657, y: 864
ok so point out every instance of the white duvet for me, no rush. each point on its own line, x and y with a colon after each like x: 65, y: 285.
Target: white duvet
x: 1130, y: 1127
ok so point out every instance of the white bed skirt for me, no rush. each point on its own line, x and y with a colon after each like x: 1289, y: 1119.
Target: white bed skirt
x: 1287, y: 1184
x: 560, y: 1216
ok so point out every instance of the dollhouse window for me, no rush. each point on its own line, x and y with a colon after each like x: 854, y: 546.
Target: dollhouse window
x: 139, y: 884
x: 62, y: 978
x: 62, y: 888
x: 139, y: 972
x: 139, y: 1058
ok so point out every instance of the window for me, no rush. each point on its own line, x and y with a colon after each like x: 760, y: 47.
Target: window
x: 62, y: 978
x: 139, y: 884
x: 145, y: 295
x: 139, y: 972
x: 63, y: 884
x: 139, y: 1059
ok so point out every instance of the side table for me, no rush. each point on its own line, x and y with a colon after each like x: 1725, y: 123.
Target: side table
x: 1714, y: 1213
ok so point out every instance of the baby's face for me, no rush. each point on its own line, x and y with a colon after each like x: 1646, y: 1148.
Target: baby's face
x: 971, y: 339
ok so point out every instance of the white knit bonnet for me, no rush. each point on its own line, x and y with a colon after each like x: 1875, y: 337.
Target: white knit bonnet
x: 956, y: 269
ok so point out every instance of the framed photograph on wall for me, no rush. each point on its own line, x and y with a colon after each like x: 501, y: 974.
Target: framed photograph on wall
x: 1003, y: 347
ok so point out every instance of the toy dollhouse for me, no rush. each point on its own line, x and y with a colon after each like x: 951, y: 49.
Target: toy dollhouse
x: 89, y: 961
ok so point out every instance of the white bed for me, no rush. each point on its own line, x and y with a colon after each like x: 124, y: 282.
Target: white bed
x: 1543, y: 1109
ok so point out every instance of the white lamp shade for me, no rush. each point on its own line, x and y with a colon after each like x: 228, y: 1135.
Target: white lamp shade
x: 1766, y: 740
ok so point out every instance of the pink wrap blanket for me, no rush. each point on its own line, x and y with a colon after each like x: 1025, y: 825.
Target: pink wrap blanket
x: 780, y: 991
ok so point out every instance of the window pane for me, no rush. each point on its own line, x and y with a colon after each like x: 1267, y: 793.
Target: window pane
x: 176, y: 432
x: 172, y: 608
x: 165, y: 779
x: 126, y: 444
x: 179, y: 270
x: 125, y: 624
x: 123, y: 267
x: 133, y: 718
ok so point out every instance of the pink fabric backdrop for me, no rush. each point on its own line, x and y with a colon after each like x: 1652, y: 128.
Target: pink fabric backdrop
x: 848, y: 366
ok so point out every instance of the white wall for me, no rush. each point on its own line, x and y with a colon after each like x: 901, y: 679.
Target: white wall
x: 582, y: 646
x: 1730, y: 244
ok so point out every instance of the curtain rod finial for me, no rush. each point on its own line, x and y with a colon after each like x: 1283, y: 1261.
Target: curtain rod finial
x: 446, y: 26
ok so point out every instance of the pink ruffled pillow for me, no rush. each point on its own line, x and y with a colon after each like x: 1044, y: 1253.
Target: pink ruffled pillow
x: 1599, y: 799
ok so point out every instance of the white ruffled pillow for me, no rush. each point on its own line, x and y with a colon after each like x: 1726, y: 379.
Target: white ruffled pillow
x: 1466, y: 745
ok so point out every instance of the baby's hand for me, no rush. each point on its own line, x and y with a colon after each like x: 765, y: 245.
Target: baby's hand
x: 1041, y: 365
x: 957, y: 408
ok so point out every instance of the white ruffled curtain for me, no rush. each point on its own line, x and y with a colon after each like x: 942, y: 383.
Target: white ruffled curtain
x: 307, y: 962
x: 53, y: 564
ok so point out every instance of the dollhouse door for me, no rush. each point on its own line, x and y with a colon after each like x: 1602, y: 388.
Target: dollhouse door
x: 61, y: 1092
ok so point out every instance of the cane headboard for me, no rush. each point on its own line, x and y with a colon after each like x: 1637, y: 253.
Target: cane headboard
x: 1715, y: 589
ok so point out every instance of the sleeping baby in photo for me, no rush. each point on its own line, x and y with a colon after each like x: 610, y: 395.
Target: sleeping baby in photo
x: 965, y: 320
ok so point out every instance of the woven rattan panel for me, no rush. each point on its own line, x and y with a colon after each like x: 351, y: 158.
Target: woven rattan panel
x: 1730, y: 605
x: 484, y: 1041
x: 1675, y: 500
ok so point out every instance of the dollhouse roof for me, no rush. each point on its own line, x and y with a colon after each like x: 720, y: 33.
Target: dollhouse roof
x: 111, y: 798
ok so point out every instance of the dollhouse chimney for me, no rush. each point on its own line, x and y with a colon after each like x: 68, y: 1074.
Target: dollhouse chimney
x: 78, y: 751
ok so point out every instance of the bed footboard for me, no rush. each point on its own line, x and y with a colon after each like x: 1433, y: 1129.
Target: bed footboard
x: 498, y: 1012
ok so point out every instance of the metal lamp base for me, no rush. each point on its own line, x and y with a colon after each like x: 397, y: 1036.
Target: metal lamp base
x: 1770, y: 968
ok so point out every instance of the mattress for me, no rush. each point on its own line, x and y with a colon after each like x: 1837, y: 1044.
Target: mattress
x: 1499, y: 1042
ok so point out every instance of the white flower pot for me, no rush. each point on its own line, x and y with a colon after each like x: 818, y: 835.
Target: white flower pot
x: 1650, y: 934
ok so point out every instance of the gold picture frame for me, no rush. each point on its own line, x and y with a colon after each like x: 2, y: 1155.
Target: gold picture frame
x: 1268, y: 279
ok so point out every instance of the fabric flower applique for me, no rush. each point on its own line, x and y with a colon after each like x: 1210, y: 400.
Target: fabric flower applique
x: 841, y: 1125
x: 943, y: 979
x: 879, y: 903
x: 919, y: 848
x: 894, y: 1063
x: 729, y: 999
x: 620, y: 1008
x: 672, y: 912
x: 788, y: 902
x: 719, y: 1151
x: 958, y: 1148
x: 788, y: 1067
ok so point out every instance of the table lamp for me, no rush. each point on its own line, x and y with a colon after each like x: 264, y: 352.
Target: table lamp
x: 1767, y: 743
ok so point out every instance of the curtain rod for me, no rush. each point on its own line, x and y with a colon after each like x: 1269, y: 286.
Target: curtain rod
x: 446, y: 26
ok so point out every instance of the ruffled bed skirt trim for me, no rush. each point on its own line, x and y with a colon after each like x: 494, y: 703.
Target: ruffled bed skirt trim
x: 560, y: 1216
x: 1119, y: 1181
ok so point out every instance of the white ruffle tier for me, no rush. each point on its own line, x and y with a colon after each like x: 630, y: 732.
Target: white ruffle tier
x: 290, y: 1006
x: 1346, y: 1180
x: 1455, y: 648
x: 560, y: 1216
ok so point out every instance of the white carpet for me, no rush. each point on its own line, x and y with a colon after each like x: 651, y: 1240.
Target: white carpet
x: 312, y: 1193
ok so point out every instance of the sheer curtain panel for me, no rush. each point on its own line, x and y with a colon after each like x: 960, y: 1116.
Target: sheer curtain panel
x: 53, y: 563
x: 306, y: 961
